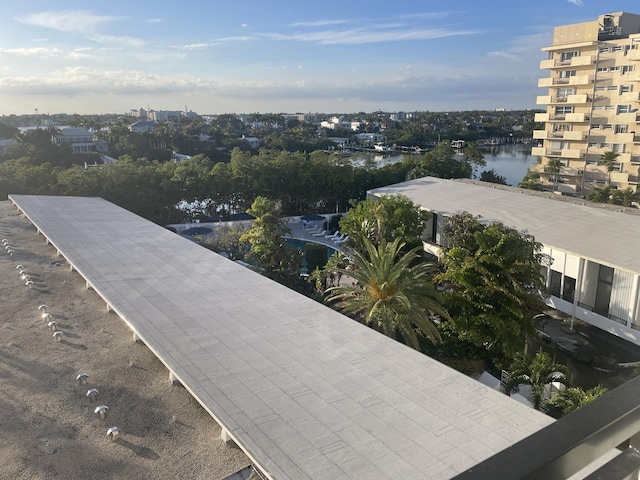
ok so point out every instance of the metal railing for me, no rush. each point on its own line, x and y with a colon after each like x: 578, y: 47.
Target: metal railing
x: 570, y: 444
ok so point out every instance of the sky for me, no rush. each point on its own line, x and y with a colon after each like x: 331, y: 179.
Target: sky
x: 279, y: 56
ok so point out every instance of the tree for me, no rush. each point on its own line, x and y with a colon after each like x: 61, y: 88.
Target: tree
x: 441, y: 162
x: 391, y: 293
x: 384, y: 218
x: 573, y: 398
x: 531, y: 180
x: 609, y: 160
x: 268, y: 248
x: 552, y: 168
x: 493, y: 282
x: 492, y: 176
x: 474, y: 156
x: 225, y: 240
x: 537, y: 372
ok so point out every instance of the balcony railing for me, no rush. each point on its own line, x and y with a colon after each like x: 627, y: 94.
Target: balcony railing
x: 575, y: 441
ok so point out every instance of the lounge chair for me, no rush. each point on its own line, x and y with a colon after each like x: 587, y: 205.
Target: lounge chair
x: 335, y: 235
x: 320, y: 234
x: 338, y: 238
x: 343, y: 240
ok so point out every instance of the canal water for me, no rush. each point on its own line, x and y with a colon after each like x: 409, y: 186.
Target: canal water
x: 510, y: 161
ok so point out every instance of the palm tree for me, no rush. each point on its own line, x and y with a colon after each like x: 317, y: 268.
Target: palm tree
x: 609, y: 160
x: 574, y: 398
x: 553, y: 169
x: 391, y: 292
x: 537, y: 372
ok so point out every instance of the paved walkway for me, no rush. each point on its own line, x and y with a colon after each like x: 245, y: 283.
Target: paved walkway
x: 305, y: 392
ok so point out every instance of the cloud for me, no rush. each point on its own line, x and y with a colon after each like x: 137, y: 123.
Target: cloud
x: 359, y: 36
x: 524, y: 49
x: 318, y: 23
x: 578, y: 3
x: 154, y: 20
x: 30, y: 52
x: 114, y: 40
x: 67, y: 20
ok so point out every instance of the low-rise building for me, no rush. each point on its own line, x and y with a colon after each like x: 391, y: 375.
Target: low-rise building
x: 80, y: 140
x: 594, y: 275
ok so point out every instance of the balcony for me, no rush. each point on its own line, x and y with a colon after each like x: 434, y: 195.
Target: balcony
x: 567, y: 117
x: 574, y: 135
x: 538, y: 151
x: 576, y: 117
x: 541, y: 117
x: 580, y: 61
x: 569, y: 153
x: 569, y: 99
x: 577, y: 440
x: 559, y: 82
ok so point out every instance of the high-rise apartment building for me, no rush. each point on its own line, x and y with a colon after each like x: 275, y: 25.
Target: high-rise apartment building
x: 592, y: 106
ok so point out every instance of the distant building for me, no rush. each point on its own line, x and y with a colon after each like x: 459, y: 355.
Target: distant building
x: 592, y: 105
x: 169, y: 115
x: 340, y: 122
x: 254, y: 142
x: 142, y: 126
x: 6, y: 144
x: 81, y: 140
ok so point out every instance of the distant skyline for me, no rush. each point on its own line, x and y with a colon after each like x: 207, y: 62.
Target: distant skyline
x: 281, y: 56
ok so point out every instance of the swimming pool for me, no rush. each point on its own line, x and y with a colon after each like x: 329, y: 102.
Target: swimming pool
x: 300, y: 245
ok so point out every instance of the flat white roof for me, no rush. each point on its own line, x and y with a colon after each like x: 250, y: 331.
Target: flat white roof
x: 306, y: 392
x: 604, y: 233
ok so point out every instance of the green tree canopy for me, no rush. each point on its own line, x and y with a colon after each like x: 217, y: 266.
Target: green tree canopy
x: 573, y: 398
x: 537, y: 372
x: 385, y: 218
x: 391, y: 293
x: 493, y: 282
x: 441, y: 162
x: 268, y: 249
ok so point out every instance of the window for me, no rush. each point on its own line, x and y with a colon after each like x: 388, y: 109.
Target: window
x: 567, y: 56
x: 598, y: 107
x: 604, y: 50
x: 625, y: 88
x: 612, y: 88
x: 565, y: 92
x: 567, y: 74
x: 617, y: 48
x: 556, y: 283
x: 602, y: 69
x: 603, y: 291
x: 599, y: 89
x: 564, y: 109
x: 620, y: 128
x: 562, y: 127
x: 627, y: 68
x: 569, y: 289
x: 609, y: 107
x: 623, y: 109
x: 618, y: 147
x: 615, y: 68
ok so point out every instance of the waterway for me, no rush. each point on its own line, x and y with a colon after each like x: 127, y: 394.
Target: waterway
x: 510, y: 161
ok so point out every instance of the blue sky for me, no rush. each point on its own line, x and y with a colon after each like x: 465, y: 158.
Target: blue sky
x: 279, y: 56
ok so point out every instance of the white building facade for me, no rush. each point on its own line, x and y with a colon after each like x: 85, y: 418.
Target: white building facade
x: 594, y: 275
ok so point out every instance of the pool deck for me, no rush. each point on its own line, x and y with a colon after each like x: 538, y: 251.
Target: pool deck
x: 301, y: 233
